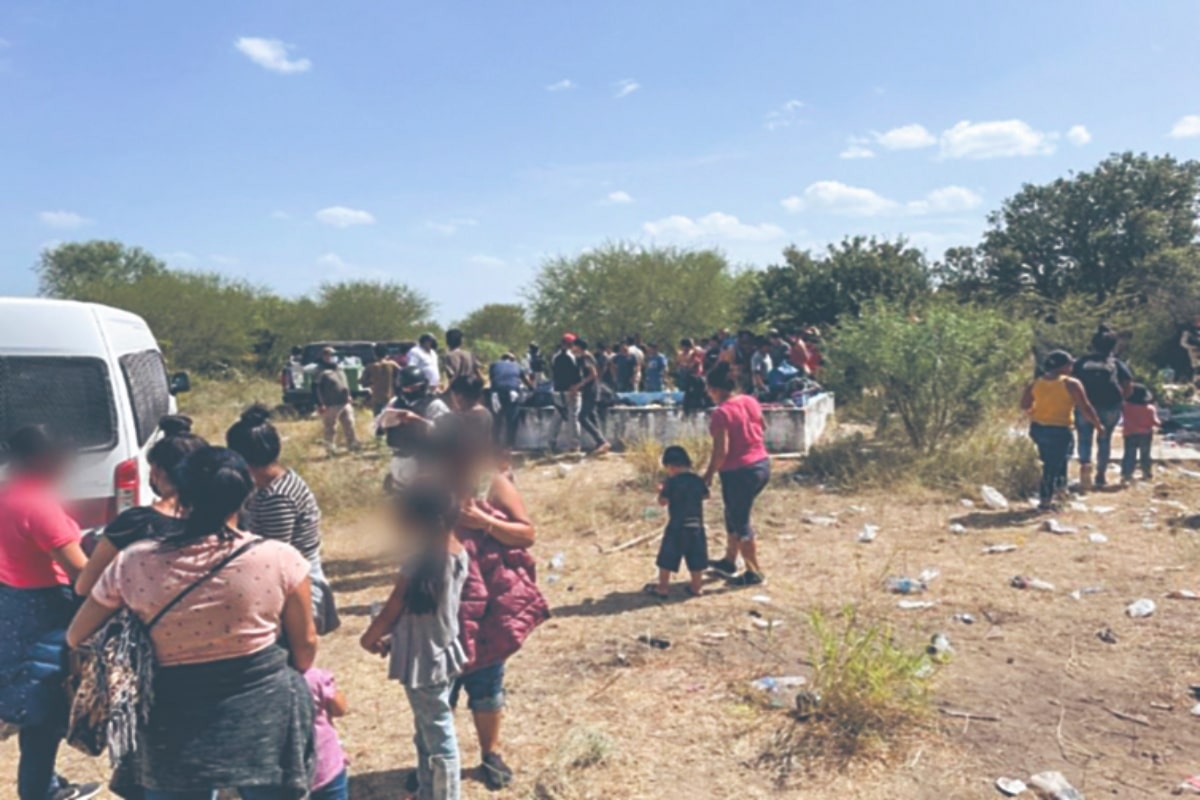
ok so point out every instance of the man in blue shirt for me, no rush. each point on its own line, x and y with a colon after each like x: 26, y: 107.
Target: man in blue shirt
x: 656, y: 368
x: 507, y: 379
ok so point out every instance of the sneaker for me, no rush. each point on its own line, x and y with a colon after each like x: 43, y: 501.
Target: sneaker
x: 748, y: 578
x: 723, y: 567
x: 76, y: 791
x: 496, y: 774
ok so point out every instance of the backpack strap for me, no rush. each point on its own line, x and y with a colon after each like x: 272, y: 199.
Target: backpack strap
x: 212, y: 572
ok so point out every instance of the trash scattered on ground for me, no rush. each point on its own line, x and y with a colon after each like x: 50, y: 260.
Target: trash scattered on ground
x: 868, y: 533
x: 915, y: 605
x: 1189, y: 473
x: 1175, y: 504
x: 762, y: 599
x: 716, y: 634
x: 770, y: 683
x: 807, y: 702
x: 1103, y: 509
x: 552, y: 578
x: 1054, y: 526
x: 563, y: 470
x: 993, y: 499
x: 559, y: 561
x: 967, y: 503
x: 857, y: 509
x: 1097, y: 538
x: 1184, y: 594
x: 957, y: 528
x: 1196, y: 710
x: 1076, y: 505
x: 1190, y: 786
x: 652, y: 512
x: 824, y: 520
x: 1054, y: 786
x: 1079, y: 593
x: 927, y: 576
x: 939, y: 647
x: 965, y: 619
x: 1011, y: 787
x: 1107, y: 636
x: 766, y: 625
x: 906, y: 585
x: 654, y: 641
x: 1037, y: 584
x: 1141, y: 608
x: 993, y: 549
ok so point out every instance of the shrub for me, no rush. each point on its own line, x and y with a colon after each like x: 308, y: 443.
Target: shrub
x: 645, y: 455
x: 939, y: 373
x: 579, y: 749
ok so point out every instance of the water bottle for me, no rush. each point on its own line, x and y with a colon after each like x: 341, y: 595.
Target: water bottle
x: 1054, y: 786
x: 905, y: 586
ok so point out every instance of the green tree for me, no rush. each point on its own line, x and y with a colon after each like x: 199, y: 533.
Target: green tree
x: 76, y: 270
x: 1098, y: 233
x: 621, y: 289
x: 504, y: 324
x: 822, y: 289
x: 939, y: 370
x: 369, y: 310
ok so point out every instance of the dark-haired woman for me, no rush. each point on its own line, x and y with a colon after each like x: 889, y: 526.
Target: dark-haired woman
x: 466, y: 399
x: 282, y: 506
x: 156, y: 520
x: 418, y: 627
x: 40, y: 556
x: 739, y: 456
x: 229, y: 711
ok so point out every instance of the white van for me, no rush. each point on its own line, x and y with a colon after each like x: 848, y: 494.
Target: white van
x: 96, y: 374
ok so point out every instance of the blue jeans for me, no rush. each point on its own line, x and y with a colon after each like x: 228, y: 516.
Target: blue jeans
x: 484, y: 688
x: 1054, y: 446
x: 437, y: 743
x: 246, y: 792
x: 336, y: 789
x: 35, y: 769
x: 1111, y: 417
x: 739, y: 489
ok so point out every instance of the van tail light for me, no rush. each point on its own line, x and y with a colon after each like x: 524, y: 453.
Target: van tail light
x: 127, y: 482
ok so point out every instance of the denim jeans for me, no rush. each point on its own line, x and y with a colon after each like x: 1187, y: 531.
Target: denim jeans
x: 568, y: 406
x: 508, y: 418
x: 1111, y: 417
x: 739, y: 489
x: 1137, y: 450
x: 589, y: 420
x: 336, y: 789
x: 484, y: 688
x: 1054, y: 446
x: 35, y: 770
x: 246, y: 793
x: 437, y: 743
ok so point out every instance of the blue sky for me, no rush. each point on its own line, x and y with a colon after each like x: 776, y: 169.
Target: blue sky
x: 455, y: 145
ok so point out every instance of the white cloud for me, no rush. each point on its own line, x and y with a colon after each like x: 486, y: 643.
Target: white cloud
x: 488, y: 261
x: 856, y: 150
x: 561, y: 86
x: 451, y: 226
x: 716, y: 225
x: 906, y: 137
x: 834, y: 197
x: 1078, y: 135
x: 63, y: 220
x: 1186, y: 128
x: 626, y: 87
x: 618, y: 198
x: 785, y: 116
x: 272, y: 54
x: 997, y: 139
x: 839, y: 198
x: 342, y: 217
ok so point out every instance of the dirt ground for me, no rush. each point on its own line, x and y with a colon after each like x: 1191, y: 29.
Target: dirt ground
x: 678, y: 722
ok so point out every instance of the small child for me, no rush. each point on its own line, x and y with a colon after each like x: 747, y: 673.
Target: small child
x: 418, y: 627
x: 1140, y: 421
x: 330, y: 781
x: 683, y: 493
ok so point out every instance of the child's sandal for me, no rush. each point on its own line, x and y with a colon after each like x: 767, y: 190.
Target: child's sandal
x: 652, y: 590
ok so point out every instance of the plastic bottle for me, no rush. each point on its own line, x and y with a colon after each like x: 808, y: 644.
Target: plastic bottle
x: 1021, y: 582
x: 1141, y: 608
x: 905, y: 586
x: 558, y: 561
x: 1054, y: 786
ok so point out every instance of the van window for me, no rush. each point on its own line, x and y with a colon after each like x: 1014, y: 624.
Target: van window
x: 71, y: 395
x: 146, y: 380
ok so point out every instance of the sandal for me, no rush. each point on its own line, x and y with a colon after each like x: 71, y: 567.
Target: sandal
x: 692, y: 592
x: 652, y: 590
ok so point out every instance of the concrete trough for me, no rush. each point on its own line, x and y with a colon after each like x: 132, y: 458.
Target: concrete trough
x: 789, y: 430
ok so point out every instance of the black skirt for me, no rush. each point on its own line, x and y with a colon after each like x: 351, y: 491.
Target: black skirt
x: 240, y: 722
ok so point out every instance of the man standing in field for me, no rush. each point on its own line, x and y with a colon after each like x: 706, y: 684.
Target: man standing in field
x: 380, y: 378
x: 425, y: 358
x: 332, y: 394
x: 458, y: 362
x: 567, y: 378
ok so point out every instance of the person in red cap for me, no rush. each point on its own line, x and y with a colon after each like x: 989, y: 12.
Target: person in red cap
x: 567, y: 378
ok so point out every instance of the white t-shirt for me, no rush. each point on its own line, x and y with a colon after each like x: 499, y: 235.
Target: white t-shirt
x: 427, y: 362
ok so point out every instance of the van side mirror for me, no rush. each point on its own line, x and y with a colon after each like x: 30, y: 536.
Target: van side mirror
x: 180, y: 383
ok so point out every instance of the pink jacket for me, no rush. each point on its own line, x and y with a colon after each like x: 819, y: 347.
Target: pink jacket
x: 501, y: 603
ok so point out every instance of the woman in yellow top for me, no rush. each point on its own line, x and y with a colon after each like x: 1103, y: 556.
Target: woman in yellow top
x: 1050, y: 401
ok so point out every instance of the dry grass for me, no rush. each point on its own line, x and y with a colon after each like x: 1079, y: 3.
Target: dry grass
x: 645, y: 456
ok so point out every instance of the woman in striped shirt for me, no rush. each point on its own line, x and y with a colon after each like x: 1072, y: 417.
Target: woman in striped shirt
x: 282, y: 506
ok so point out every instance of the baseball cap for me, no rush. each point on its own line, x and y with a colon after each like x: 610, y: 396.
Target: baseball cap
x: 569, y: 338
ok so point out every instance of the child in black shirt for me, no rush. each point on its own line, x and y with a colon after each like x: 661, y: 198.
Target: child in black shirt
x: 683, y: 493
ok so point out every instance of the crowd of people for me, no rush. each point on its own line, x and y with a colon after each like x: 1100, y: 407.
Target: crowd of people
x: 1077, y: 404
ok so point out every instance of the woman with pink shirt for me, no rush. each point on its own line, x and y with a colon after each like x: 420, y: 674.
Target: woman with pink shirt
x: 739, y: 456
x: 231, y: 708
